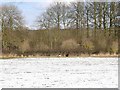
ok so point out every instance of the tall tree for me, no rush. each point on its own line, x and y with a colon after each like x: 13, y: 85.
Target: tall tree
x: 105, y: 9
x: 11, y: 17
x: 87, y: 15
x: 112, y: 13
x: 95, y: 15
x: 100, y: 15
x: 77, y: 14
x: 65, y: 10
x: 56, y: 16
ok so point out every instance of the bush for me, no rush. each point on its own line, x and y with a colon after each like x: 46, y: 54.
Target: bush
x: 102, y: 45
x: 114, y: 47
x: 69, y: 45
x: 25, y: 46
x: 88, y: 45
x: 57, y: 41
x: 41, y: 47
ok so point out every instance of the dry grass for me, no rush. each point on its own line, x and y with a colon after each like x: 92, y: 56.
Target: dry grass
x: 8, y: 56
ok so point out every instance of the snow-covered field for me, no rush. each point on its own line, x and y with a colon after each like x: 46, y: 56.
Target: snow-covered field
x: 59, y: 73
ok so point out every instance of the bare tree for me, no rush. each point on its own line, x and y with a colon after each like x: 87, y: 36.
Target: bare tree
x: 77, y: 14
x: 51, y: 18
x: 44, y: 21
x: 56, y: 16
x: 112, y: 13
x: 65, y: 10
x: 100, y: 15
x: 105, y: 12
x: 87, y: 15
x: 11, y: 17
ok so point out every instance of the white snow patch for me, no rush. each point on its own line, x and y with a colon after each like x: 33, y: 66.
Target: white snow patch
x: 59, y: 73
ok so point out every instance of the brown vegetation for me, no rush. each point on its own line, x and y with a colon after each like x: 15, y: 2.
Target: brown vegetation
x: 46, y: 43
x: 64, y: 30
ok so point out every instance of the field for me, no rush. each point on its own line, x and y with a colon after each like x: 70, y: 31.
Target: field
x: 59, y: 73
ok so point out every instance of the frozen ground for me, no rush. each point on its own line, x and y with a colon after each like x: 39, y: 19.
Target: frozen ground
x: 59, y: 73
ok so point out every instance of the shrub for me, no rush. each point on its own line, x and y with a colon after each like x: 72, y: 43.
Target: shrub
x: 88, y: 45
x: 102, y: 45
x: 69, y: 44
x: 41, y: 47
x: 114, y: 47
x: 25, y: 46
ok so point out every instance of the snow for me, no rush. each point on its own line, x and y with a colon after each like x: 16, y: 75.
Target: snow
x: 59, y: 73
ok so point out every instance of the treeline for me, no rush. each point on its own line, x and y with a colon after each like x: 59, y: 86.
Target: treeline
x: 55, y: 42
x: 75, y: 28
x: 79, y: 15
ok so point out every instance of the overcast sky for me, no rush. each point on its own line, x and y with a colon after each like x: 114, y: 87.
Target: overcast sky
x: 31, y: 9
